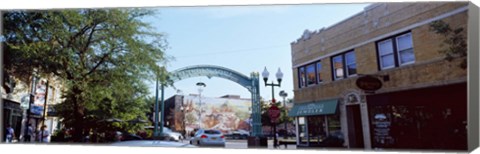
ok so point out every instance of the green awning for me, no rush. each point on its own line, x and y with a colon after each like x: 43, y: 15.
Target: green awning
x: 324, y: 107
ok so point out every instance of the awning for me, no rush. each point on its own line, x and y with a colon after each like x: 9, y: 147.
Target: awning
x: 324, y: 107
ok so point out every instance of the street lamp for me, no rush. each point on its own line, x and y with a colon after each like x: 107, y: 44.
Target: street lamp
x: 200, y: 86
x: 284, y: 94
x: 279, y: 76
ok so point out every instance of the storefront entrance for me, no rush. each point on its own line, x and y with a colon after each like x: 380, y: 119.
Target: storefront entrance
x: 355, y: 129
x: 318, y: 124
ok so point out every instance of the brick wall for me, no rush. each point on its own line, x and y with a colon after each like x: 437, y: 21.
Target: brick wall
x: 359, y: 30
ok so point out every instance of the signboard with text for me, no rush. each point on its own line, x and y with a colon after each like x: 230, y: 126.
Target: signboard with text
x: 369, y: 83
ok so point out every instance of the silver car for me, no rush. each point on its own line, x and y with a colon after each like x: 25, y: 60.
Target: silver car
x: 168, y: 134
x: 208, y: 137
x: 152, y: 143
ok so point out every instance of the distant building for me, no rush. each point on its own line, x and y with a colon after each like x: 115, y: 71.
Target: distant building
x: 422, y: 102
x: 226, y: 113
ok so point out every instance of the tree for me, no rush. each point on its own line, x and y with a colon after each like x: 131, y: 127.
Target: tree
x: 266, y: 118
x: 103, y: 55
x: 454, y: 39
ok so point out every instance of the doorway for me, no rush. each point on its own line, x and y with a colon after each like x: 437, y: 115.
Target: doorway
x: 355, y: 129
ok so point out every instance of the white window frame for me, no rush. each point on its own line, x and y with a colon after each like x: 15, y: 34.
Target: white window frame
x: 380, y: 55
x: 398, y: 51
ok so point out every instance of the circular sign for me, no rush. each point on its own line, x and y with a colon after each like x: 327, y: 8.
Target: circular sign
x: 274, y: 113
x: 369, y: 83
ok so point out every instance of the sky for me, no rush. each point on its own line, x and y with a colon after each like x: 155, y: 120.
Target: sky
x: 242, y: 38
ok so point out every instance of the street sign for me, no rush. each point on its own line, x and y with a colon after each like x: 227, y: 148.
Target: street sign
x: 274, y: 113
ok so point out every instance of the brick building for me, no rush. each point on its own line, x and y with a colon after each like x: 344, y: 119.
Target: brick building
x: 422, y: 103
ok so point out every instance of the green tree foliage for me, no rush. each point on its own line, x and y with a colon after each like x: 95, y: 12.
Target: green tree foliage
x: 103, y: 55
x: 454, y: 39
x: 266, y: 118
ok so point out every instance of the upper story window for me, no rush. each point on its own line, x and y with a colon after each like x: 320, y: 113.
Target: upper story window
x: 301, y: 77
x: 309, y: 74
x: 396, y: 51
x: 319, y: 70
x: 344, y: 65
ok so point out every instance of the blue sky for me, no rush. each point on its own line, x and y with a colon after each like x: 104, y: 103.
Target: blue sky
x: 243, y: 38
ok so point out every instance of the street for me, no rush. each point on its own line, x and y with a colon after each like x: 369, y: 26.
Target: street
x: 242, y: 144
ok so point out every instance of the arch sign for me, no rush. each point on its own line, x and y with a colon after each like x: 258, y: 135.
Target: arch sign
x: 251, y: 83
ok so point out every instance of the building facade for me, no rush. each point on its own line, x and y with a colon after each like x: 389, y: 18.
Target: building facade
x: 421, y: 94
x: 16, y: 99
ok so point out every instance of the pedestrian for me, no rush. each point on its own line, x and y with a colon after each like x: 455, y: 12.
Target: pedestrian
x: 43, y: 134
x: 29, y: 134
x: 10, y: 134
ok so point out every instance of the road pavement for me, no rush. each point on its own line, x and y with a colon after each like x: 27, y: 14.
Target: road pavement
x: 242, y: 144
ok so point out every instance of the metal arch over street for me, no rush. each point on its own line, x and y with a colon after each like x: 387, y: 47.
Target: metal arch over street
x: 251, y: 83
x: 211, y: 71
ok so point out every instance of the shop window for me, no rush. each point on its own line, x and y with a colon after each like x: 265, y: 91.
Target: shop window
x: 417, y: 127
x: 396, y: 51
x: 344, y: 65
x: 311, y: 76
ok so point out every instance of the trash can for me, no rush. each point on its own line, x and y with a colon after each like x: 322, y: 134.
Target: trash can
x: 257, y: 142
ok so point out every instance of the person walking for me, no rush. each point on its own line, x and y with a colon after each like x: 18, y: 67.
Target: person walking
x: 29, y: 134
x: 10, y: 134
x: 43, y: 134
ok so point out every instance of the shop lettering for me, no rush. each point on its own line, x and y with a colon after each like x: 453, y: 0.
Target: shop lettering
x: 305, y: 110
x: 369, y: 83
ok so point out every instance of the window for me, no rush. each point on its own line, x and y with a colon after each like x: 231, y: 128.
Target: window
x: 309, y: 74
x: 311, y: 77
x: 351, y: 63
x: 301, y: 77
x: 405, y: 49
x: 396, y: 51
x: 344, y: 65
x: 337, y: 67
x: 319, y: 70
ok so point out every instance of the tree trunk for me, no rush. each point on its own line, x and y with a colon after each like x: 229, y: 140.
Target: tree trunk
x: 78, y: 115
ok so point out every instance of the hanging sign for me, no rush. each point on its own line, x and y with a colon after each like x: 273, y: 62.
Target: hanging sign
x: 369, y: 83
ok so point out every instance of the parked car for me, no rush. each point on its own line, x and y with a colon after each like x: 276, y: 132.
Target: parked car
x: 152, y: 143
x: 239, y: 134
x: 168, y: 134
x: 208, y: 137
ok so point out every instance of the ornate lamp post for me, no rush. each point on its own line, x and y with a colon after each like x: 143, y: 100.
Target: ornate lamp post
x: 279, y: 76
x: 200, y: 86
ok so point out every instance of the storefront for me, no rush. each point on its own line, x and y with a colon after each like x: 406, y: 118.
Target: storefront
x: 315, y: 121
x: 12, y: 115
x: 427, y: 118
